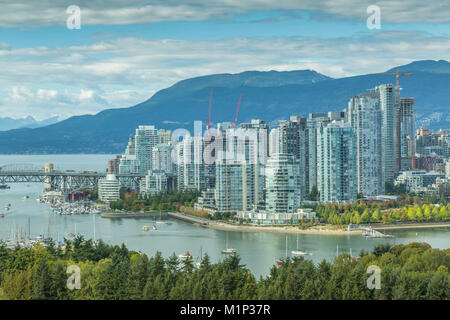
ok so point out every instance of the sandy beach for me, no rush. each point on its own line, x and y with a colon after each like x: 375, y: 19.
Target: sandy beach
x: 223, y: 226
x: 322, y: 230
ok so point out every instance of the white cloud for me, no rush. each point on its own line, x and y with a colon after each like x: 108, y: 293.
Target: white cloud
x: 44, y: 82
x: 21, y: 101
x: 31, y: 14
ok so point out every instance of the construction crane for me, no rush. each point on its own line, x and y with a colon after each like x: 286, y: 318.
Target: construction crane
x: 208, y: 121
x: 237, y: 111
x: 397, y: 111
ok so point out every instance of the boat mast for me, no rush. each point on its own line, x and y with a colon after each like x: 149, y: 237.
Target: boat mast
x: 286, y: 246
x: 93, y: 217
x: 226, y: 240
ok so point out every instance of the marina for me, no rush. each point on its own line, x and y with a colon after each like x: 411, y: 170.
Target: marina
x: 62, y: 207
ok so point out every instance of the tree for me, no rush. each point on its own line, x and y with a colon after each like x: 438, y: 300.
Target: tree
x: 427, y: 213
x: 137, y: 277
x: 438, y: 287
x: 376, y: 215
x: 313, y: 195
x: 365, y: 217
x: 42, y: 281
x: 17, y: 285
x: 356, y: 218
x: 411, y: 215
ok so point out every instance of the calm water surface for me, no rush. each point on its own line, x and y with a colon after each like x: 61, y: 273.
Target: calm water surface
x: 257, y: 250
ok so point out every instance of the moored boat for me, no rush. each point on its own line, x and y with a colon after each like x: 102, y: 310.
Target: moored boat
x: 185, y: 256
x: 228, y: 250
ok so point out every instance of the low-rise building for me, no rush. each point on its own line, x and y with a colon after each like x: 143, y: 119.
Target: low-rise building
x: 207, y: 199
x: 156, y: 181
x: 417, y: 181
x: 269, y: 218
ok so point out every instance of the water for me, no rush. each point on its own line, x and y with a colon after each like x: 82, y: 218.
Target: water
x: 258, y: 250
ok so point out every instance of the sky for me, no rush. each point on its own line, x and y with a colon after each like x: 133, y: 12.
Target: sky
x: 125, y: 51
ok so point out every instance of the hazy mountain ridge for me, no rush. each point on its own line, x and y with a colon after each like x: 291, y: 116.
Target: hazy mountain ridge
x: 8, y: 123
x: 266, y: 95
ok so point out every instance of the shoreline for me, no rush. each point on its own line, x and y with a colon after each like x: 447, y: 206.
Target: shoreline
x: 287, y: 229
x: 224, y: 226
x: 119, y: 215
x: 321, y: 230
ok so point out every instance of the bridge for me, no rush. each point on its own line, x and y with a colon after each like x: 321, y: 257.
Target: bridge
x: 66, y: 181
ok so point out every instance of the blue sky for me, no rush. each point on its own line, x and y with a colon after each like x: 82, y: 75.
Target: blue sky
x: 127, y: 50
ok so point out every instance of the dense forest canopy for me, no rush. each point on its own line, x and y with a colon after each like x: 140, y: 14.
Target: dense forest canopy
x: 412, y: 271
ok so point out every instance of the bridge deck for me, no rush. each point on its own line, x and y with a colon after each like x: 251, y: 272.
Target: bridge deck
x: 66, y: 180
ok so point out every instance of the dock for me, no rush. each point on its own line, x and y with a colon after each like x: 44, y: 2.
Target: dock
x: 369, y: 231
x: 188, y: 218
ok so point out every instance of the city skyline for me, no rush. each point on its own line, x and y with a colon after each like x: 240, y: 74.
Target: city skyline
x: 124, y: 52
x: 223, y: 152
x: 249, y: 167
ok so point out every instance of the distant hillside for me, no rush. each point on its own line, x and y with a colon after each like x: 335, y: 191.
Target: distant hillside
x: 27, y: 122
x: 266, y: 95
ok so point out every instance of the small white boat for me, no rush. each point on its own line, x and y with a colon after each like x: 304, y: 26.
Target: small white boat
x: 228, y: 250
x: 298, y: 253
x: 154, y: 227
x: 185, y: 256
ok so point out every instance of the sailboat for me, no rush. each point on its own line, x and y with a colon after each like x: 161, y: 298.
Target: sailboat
x: 160, y: 219
x: 95, y: 235
x: 228, y: 250
x: 352, y: 256
x: 199, y: 262
x: 298, y: 252
x: 280, y: 262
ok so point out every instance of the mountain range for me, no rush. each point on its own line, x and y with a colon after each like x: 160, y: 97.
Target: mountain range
x: 8, y: 123
x: 269, y: 96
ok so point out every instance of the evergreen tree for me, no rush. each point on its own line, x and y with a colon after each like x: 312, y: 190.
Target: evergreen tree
x: 42, y: 281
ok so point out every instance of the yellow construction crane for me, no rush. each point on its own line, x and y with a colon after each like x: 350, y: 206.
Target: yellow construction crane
x: 397, y: 111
